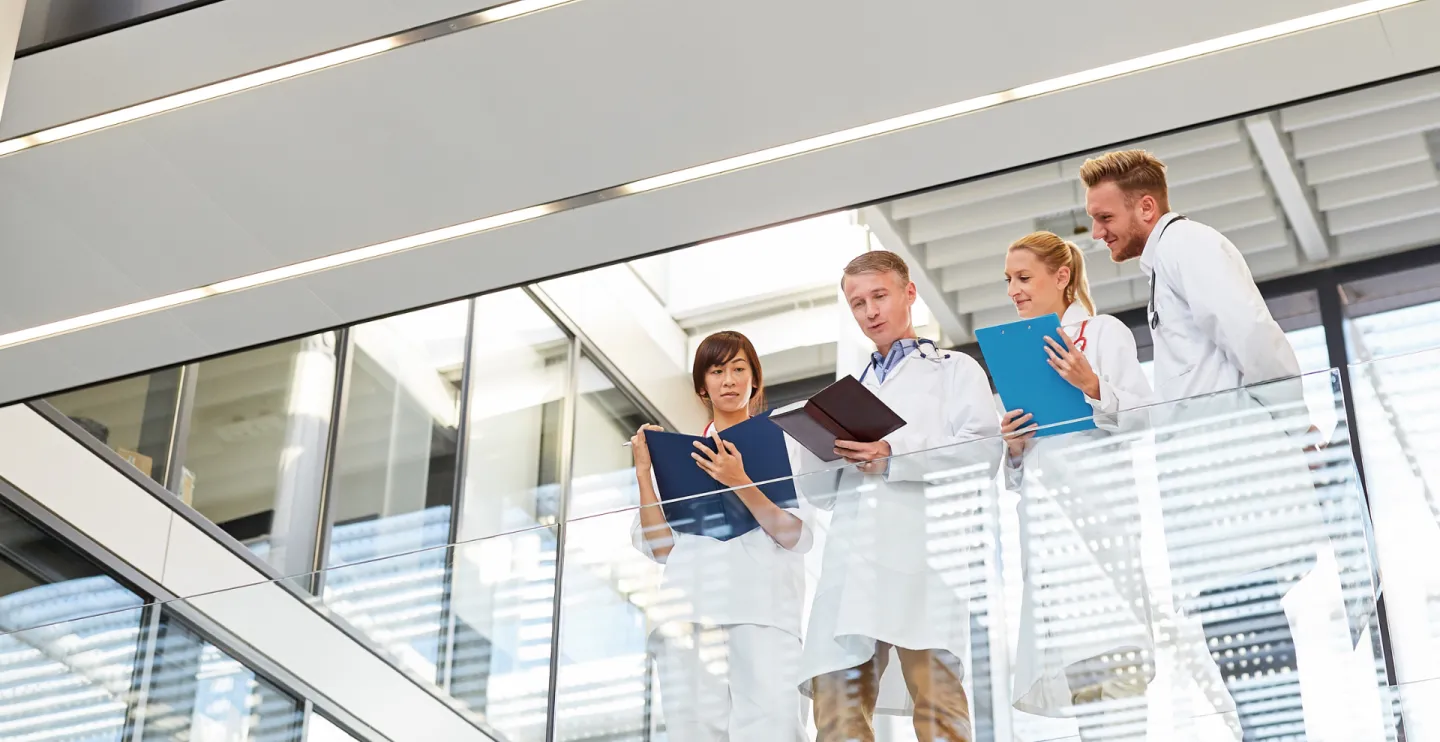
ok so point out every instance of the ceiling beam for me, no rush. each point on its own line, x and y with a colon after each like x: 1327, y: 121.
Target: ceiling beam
x: 877, y: 220
x: 1297, y: 200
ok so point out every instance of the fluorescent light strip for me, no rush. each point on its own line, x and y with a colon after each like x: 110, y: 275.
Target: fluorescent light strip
x: 275, y: 74
x: 718, y: 167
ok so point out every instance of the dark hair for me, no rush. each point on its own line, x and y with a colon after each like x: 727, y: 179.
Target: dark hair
x: 720, y: 349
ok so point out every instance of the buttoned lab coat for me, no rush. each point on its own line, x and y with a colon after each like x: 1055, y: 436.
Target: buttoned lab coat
x: 1080, y: 489
x: 896, y: 558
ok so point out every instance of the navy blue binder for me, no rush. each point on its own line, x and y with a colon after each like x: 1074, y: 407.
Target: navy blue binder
x: 1015, y: 353
x: 762, y: 447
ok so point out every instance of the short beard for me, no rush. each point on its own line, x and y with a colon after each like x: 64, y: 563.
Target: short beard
x: 1133, y: 249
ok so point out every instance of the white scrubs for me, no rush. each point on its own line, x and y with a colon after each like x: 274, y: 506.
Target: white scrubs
x: 1079, y: 492
x: 889, y: 572
x: 728, y: 660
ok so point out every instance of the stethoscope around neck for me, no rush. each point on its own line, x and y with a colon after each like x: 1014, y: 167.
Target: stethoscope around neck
x: 920, y: 343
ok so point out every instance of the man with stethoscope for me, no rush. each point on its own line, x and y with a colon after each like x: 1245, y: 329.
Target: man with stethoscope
x: 1225, y: 456
x: 881, y: 592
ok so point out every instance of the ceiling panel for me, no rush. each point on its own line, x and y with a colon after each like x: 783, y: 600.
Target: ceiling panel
x: 643, y: 118
x: 1364, y: 156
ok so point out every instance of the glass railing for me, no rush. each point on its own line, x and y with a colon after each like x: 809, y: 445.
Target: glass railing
x: 1190, y: 570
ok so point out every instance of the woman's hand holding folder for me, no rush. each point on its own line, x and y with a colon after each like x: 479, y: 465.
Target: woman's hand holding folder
x: 1018, y: 431
x: 639, y: 450
x: 724, y: 464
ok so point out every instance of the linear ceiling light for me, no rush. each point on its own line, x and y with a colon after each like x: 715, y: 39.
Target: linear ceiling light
x: 718, y: 167
x: 275, y: 74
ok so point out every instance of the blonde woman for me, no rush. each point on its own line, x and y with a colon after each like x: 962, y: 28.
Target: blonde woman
x: 1085, y: 613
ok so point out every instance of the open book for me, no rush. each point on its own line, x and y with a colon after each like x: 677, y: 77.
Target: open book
x: 845, y: 410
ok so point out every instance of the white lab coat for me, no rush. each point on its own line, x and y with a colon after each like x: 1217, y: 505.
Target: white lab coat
x: 1079, y: 491
x: 1215, y: 330
x: 747, y: 593
x: 892, y: 571
x: 1236, y: 488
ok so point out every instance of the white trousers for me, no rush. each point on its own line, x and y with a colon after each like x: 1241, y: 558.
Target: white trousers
x: 731, y: 684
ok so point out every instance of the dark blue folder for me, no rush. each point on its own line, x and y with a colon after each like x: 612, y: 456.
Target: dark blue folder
x: 762, y: 447
x: 1015, y: 353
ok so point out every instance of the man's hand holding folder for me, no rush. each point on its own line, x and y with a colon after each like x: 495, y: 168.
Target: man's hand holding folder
x: 871, y: 457
x: 843, y: 421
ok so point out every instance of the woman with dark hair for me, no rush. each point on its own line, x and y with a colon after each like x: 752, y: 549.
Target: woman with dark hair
x: 748, y: 590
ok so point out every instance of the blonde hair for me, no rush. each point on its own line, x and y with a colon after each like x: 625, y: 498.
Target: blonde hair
x: 1057, y: 253
x: 878, y: 261
x: 1135, y: 171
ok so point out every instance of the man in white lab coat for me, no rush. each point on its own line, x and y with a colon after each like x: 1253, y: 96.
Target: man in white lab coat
x: 889, y: 584
x: 1241, y: 519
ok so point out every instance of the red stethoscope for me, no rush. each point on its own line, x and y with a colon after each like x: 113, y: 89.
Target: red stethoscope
x: 1080, y: 337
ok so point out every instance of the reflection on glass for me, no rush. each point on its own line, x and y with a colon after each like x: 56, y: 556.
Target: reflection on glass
x: 501, y: 630
x: 519, y: 376
x: 199, y: 693
x: 499, y: 650
x: 72, y: 680
x: 1262, y: 588
x: 604, y: 665
x: 606, y: 684
x: 493, y: 658
x: 395, y: 462
x: 605, y: 418
x: 1398, y: 410
x: 134, y: 417
x: 69, y: 640
x: 255, y: 455
x: 1392, y: 330
x: 394, y: 482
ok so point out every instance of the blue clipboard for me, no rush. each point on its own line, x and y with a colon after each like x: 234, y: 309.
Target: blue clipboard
x: 761, y: 444
x: 1015, y: 353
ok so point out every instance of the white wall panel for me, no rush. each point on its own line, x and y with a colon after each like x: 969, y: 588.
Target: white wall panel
x: 1206, y: 88
x: 45, y: 463
x: 85, y: 491
x: 584, y: 96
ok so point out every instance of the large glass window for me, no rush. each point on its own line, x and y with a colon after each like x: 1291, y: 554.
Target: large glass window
x: 603, y: 657
x: 1392, y: 330
x: 135, y: 417
x: 520, y: 371
x: 499, y: 620
x: 395, y: 463
x: 70, y: 639
x: 255, y: 455
x: 199, y: 693
x: 605, y: 418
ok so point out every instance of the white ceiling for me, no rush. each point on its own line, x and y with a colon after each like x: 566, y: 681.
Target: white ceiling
x: 584, y: 96
x: 1363, y: 157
